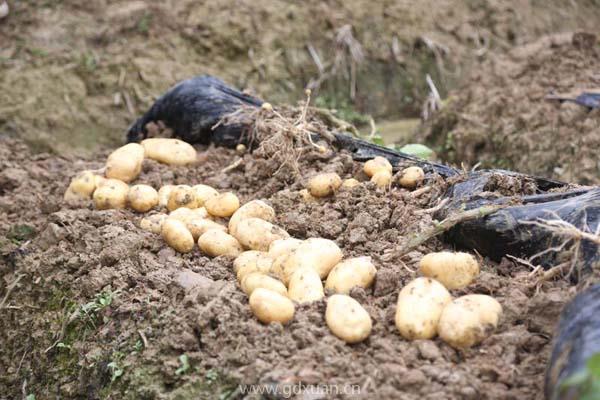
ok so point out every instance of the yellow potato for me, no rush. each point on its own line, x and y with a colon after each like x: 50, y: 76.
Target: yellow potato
x: 324, y: 184
x: 177, y: 235
x: 169, y: 151
x: 240, y: 148
x: 125, y: 163
x: 258, y: 234
x: 468, y: 320
x: 203, y: 193
x: 347, y: 319
x: 223, y: 205
x: 153, y: 223
x: 350, y: 183
x: 320, y: 254
x: 420, y: 304
x: 352, y: 272
x: 306, y: 196
x: 377, y: 164
x: 255, y: 280
x: 181, y: 196
x: 198, y: 226
x: 453, y: 270
x: 251, y: 261
x: 382, y: 178
x: 411, y: 177
x: 99, y: 180
x: 215, y: 242
x: 283, y: 246
x: 81, y: 187
x: 142, y: 197
x: 269, y: 306
x: 111, y: 194
x: 252, y: 209
x: 163, y: 195
x: 305, y: 286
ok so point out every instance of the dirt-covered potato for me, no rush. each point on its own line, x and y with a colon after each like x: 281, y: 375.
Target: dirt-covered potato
x: 258, y: 234
x: 125, y: 163
x: 112, y: 193
x: 453, y: 270
x: 203, y: 193
x: 411, y: 177
x: 305, y: 286
x: 163, y: 195
x: 377, y: 164
x: 81, y: 187
x: 382, y: 178
x: 153, y: 223
x: 251, y: 261
x: 142, y: 197
x: 420, y: 304
x: 358, y: 271
x: 269, y: 306
x: 169, y: 151
x: 350, y: 183
x: 255, y: 280
x: 347, y: 319
x: 306, y: 196
x: 318, y: 253
x: 216, y: 242
x: 283, y: 246
x: 181, y: 196
x: 223, y: 205
x: 177, y: 235
x: 198, y: 226
x: 468, y: 320
x: 252, y: 209
x: 324, y: 185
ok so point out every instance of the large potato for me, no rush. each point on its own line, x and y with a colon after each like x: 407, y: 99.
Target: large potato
x: 420, y: 304
x: 377, y: 164
x: 468, y: 320
x: 352, y: 272
x: 142, y: 197
x: 324, y: 184
x: 251, y: 261
x: 223, y: 205
x: 203, y: 193
x: 153, y: 223
x: 163, y: 195
x: 255, y: 280
x: 411, y: 177
x: 169, y: 151
x: 347, y: 319
x: 305, y: 286
x: 181, y: 196
x: 198, y: 226
x: 177, y: 235
x: 453, y: 270
x: 269, y: 306
x: 215, y: 242
x: 125, y: 163
x: 112, y: 193
x: 252, y: 209
x: 81, y: 187
x: 258, y: 234
x: 320, y: 254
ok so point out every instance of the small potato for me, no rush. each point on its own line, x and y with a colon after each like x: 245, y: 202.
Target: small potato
x: 111, y: 194
x: 350, y: 183
x: 203, y: 193
x: 320, y: 254
x: 352, y: 272
x: 142, y: 197
x: 258, y: 234
x: 305, y: 286
x: 269, y: 306
x: 223, y: 205
x: 420, y: 304
x: 382, y: 178
x: 411, y: 177
x: 82, y: 186
x: 255, y: 280
x: 453, y: 270
x: 169, y: 151
x: 153, y: 223
x: 252, y: 209
x: 198, y: 226
x: 468, y: 320
x: 306, y: 196
x: 215, y: 242
x: 377, y: 164
x: 347, y: 319
x: 177, y: 235
x: 240, y: 148
x: 181, y: 196
x: 125, y: 163
x: 324, y: 185
x: 163, y: 195
x: 251, y: 261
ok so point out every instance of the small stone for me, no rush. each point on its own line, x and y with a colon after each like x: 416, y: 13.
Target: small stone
x: 428, y: 349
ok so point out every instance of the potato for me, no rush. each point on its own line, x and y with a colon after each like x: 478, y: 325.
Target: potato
x: 305, y: 285
x: 177, y: 235
x: 153, y: 223
x: 306, y: 196
x: 453, y: 270
x: 169, y: 151
x: 350, y: 183
x: 181, y: 196
x: 111, y: 194
x: 223, y: 205
x: 468, y: 320
x: 320, y: 254
x: 411, y: 177
x: 258, y: 234
x: 203, y: 193
x: 198, y: 226
x: 142, y: 197
x: 347, y: 319
x: 269, y: 306
x: 377, y: 164
x: 252, y: 209
x: 255, y: 280
x: 240, y: 148
x: 283, y: 246
x: 352, y: 272
x: 324, y: 184
x: 382, y: 178
x: 81, y: 187
x: 420, y: 304
x: 125, y: 163
x: 251, y: 261
x: 163, y: 195
x: 215, y: 242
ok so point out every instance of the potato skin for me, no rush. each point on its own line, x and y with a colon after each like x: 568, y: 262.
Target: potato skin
x: 142, y: 198
x: 255, y: 280
x: 125, y: 163
x: 153, y: 223
x: 181, y: 196
x: 318, y: 253
x: 358, y: 271
x: 324, y: 185
x: 347, y: 319
x: 283, y: 246
x: 112, y: 193
x: 377, y: 164
x: 223, y: 205
x: 169, y: 151
x: 382, y: 178
x: 198, y: 226
x: 177, y: 235
x: 82, y: 186
x: 269, y: 306
x: 306, y: 196
x: 258, y: 234
x: 419, y: 307
x: 215, y: 242
x: 251, y: 261
x: 305, y: 286
x: 468, y: 320
x: 411, y: 177
x: 163, y: 195
x: 350, y: 183
x: 453, y: 270
x: 252, y: 209
x: 203, y: 193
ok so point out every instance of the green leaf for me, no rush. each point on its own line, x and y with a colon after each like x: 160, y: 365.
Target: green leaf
x: 185, y: 364
x: 418, y: 150
x: 377, y: 139
x: 593, y: 365
x: 576, y: 379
